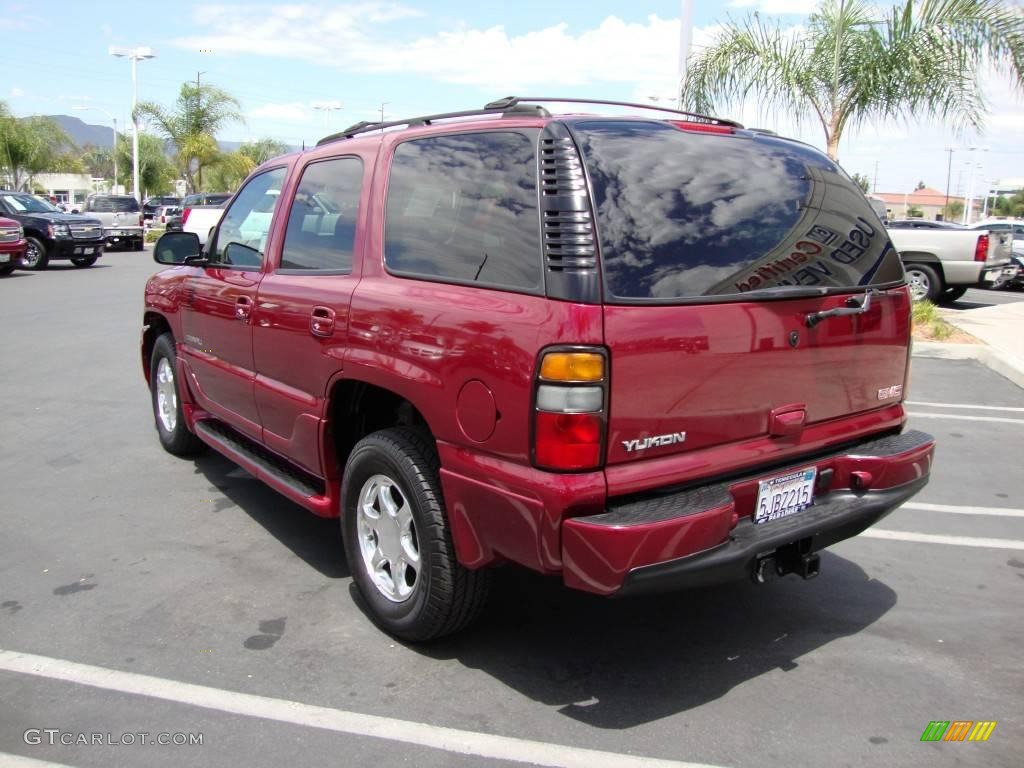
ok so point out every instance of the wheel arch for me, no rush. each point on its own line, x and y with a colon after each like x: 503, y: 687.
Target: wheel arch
x: 357, y: 408
x: 154, y: 325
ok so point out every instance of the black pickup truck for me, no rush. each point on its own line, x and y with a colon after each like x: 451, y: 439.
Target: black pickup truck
x: 51, y: 233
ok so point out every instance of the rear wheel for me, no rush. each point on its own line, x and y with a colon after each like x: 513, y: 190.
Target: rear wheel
x: 950, y: 295
x: 397, y: 540
x: 84, y: 261
x: 35, y: 256
x: 923, y: 281
x: 139, y: 244
x: 167, y: 411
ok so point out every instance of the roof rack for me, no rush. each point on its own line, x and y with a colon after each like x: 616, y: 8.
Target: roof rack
x: 366, y: 126
x: 511, y: 106
x: 513, y: 101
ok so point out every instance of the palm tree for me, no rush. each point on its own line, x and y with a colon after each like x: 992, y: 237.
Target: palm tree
x: 191, y: 127
x: 849, y: 66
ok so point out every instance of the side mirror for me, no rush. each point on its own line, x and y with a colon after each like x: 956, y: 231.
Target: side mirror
x: 178, y: 248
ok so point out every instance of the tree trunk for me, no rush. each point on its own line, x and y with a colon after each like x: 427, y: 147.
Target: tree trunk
x: 832, y: 137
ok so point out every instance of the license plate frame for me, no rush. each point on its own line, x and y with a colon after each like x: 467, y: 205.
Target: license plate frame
x: 784, y: 495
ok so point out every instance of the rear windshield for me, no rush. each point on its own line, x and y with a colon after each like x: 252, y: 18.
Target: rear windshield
x: 683, y: 214
x: 114, y: 204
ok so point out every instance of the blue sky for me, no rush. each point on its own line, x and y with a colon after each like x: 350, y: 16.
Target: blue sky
x: 418, y: 56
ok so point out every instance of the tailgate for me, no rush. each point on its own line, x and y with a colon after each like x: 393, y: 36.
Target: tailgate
x: 723, y: 373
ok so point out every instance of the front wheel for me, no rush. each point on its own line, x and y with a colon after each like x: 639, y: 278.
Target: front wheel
x: 923, y: 281
x: 398, y: 542
x: 35, y: 256
x: 167, y: 411
x: 85, y: 261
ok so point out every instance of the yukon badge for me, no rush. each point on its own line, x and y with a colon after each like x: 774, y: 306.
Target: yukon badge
x: 650, y: 442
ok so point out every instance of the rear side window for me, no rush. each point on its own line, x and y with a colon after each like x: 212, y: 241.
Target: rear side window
x: 684, y: 214
x: 322, y: 220
x: 463, y: 209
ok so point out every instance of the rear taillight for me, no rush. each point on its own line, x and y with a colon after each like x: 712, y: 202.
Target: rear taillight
x: 184, y: 216
x: 981, y: 249
x: 569, y: 409
x: 142, y: 220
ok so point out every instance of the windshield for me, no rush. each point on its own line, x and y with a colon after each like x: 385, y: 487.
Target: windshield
x: 29, y: 204
x: 683, y: 214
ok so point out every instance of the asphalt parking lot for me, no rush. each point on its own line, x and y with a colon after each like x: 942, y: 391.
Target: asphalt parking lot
x: 140, y: 593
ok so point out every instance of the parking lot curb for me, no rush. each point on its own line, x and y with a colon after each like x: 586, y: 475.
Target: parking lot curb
x: 994, y: 359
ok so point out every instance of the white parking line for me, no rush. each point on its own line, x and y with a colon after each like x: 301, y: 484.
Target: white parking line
x: 312, y: 716
x: 919, y: 415
x: 932, y: 538
x: 964, y: 405
x: 992, y: 511
x: 8, y: 760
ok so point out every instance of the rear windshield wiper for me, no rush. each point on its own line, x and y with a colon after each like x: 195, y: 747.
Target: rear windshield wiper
x: 853, y: 307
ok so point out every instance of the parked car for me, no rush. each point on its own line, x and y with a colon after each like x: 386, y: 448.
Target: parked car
x: 622, y: 350
x: 121, y: 217
x: 163, y: 213
x: 1012, y: 226
x: 943, y: 262
x: 151, y: 206
x: 201, y: 212
x: 921, y: 224
x: 12, y: 245
x: 52, y: 234
x: 173, y: 223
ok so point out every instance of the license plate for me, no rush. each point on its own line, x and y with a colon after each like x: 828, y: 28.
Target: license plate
x: 85, y: 251
x: 785, y: 495
x: 4, y: 258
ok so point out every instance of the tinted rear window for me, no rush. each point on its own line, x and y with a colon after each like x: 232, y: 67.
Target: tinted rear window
x: 114, y: 205
x: 683, y: 214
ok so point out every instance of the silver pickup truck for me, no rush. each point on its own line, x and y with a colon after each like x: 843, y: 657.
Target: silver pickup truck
x: 121, y: 217
x: 942, y: 260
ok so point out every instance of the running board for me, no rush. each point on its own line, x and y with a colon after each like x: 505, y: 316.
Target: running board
x: 300, y: 486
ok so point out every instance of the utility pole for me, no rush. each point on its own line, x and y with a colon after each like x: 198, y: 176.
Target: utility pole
x: 874, y: 181
x: 949, y: 169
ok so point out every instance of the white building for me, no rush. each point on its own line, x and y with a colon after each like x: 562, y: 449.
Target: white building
x: 67, y: 188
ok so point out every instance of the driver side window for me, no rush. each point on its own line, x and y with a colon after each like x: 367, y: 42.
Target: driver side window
x: 241, y: 238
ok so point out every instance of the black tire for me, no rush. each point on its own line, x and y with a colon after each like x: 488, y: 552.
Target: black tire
x: 925, y: 283
x: 36, y: 256
x: 950, y: 295
x: 445, y: 597
x: 6, y: 269
x: 140, y: 245
x: 174, y: 434
x: 84, y: 261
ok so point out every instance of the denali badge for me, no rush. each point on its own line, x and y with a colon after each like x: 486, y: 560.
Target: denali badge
x: 649, y: 442
x: 887, y: 393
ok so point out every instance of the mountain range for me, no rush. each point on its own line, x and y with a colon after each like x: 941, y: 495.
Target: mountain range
x: 83, y: 133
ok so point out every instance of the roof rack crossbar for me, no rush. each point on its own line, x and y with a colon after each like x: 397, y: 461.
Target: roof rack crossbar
x: 512, y: 101
x: 367, y: 126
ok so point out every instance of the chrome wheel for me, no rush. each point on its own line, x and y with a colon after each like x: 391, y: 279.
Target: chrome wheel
x: 920, y: 285
x: 33, y: 255
x: 387, y: 538
x: 166, y: 395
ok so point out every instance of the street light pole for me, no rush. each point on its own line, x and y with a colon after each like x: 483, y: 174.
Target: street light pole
x: 327, y: 107
x: 136, y: 55
x: 949, y: 170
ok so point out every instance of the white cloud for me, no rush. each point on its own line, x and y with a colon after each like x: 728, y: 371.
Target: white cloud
x: 293, y: 111
x: 16, y: 92
x: 801, y: 7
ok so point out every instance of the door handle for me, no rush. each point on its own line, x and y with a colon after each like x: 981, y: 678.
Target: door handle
x: 243, y: 306
x: 321, y: 321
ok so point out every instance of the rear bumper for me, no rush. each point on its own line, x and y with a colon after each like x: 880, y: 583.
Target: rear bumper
x: 706, y: 535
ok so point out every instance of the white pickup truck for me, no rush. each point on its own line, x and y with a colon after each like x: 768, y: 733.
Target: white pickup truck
x: 943, y: 260
x: 201, y: 212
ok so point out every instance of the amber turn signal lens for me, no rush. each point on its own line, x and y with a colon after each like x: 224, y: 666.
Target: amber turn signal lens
x: 572, y: 366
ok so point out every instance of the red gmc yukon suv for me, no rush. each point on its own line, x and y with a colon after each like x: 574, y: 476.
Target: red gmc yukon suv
x: 643, y: 353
